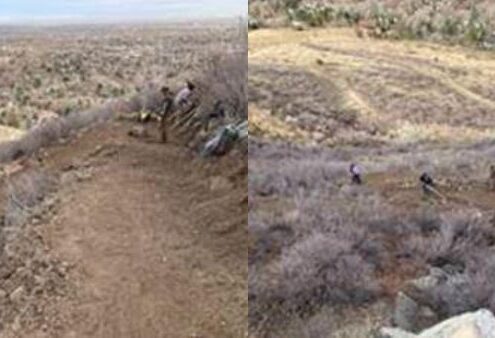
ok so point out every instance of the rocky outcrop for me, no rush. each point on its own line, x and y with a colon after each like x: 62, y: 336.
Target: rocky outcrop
x: 480, y: 324
x: 411, y: 313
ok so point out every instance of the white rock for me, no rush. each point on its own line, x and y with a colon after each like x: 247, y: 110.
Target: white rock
x: 17, y: 295
x: 480, y: 324
x: 387, y: 332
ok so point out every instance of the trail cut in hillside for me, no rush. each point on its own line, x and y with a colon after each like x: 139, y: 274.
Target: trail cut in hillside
x: 151, y: 238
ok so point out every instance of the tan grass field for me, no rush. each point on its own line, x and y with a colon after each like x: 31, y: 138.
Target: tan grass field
x: 409, y: 90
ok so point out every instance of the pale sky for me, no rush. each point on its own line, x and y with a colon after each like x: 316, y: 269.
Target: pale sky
x: 35, y: 11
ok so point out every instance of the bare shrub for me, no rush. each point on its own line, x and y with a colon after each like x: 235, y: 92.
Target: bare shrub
x: 323, y: 269
x: 225, y: 75
x: 24, y: 193
x: 56, y: 129
x: 470, y: 290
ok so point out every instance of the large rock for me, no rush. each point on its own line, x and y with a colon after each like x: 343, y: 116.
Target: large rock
x: 411, y: 315
x: 480, y: 324
x: 388, y: 332
x: 426, y: 283
x: 405, y: 312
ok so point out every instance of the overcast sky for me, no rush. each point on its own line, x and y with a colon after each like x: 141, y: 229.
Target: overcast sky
x: 12, y: 11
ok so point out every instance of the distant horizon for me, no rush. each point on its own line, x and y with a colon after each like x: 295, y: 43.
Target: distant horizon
x: 59, y: 12
x: 116, y: 21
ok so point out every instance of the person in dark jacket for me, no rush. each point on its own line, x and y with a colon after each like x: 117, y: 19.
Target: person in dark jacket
x: 166, y: 110
x: 427, y: 183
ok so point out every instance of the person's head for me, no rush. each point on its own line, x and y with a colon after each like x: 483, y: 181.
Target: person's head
x: 190, y: 85
x: 165, y: 90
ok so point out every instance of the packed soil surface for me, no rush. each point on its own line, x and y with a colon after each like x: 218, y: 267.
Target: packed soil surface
x: 155, y: 239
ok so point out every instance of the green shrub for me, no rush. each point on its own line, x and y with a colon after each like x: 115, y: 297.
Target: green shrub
x: 384, y: 20
x: 37, y: 82
x: 288, y: 4
x: 314, y: 16
x: 476, y: 27
x: 347, y: 15
x: 451, y: 26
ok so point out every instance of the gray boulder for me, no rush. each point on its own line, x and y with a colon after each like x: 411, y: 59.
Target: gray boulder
x: 411, y: 315
x: 479, y: 324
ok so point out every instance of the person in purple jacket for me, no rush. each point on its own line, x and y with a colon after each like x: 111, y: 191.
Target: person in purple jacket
x: 355, y: 172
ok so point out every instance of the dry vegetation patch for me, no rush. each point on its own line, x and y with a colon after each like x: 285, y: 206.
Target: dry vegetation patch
x: 328, y: 258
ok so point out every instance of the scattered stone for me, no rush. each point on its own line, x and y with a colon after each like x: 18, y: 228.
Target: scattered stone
x: 83, y: 175
x: 16, y: 325
x: 298, y: 25
x: 318, y: 136
x: 17, y: 295
x: 291, y: 119
x: 220, y: 183
x: 138, y: 132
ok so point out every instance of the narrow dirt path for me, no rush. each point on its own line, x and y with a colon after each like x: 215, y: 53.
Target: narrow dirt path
x: 156, y: 250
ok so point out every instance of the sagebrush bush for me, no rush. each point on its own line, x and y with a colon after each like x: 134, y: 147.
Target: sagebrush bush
x: 476, y: 27
x: 312, y: 15
x: 325, y: 243
x: 383, y: 19
x: 24, y: 192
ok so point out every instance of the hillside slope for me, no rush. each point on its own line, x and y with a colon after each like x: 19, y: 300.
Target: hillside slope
x: 331, y: 259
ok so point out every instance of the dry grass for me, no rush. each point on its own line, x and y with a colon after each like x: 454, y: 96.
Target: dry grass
x: 415, y: 92
x: 24, y: 193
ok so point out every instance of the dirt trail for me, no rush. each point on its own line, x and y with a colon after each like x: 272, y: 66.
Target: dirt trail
x: 156, y: 250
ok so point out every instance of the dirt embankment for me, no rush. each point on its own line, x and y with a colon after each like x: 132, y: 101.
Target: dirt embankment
x: 153, y: 237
